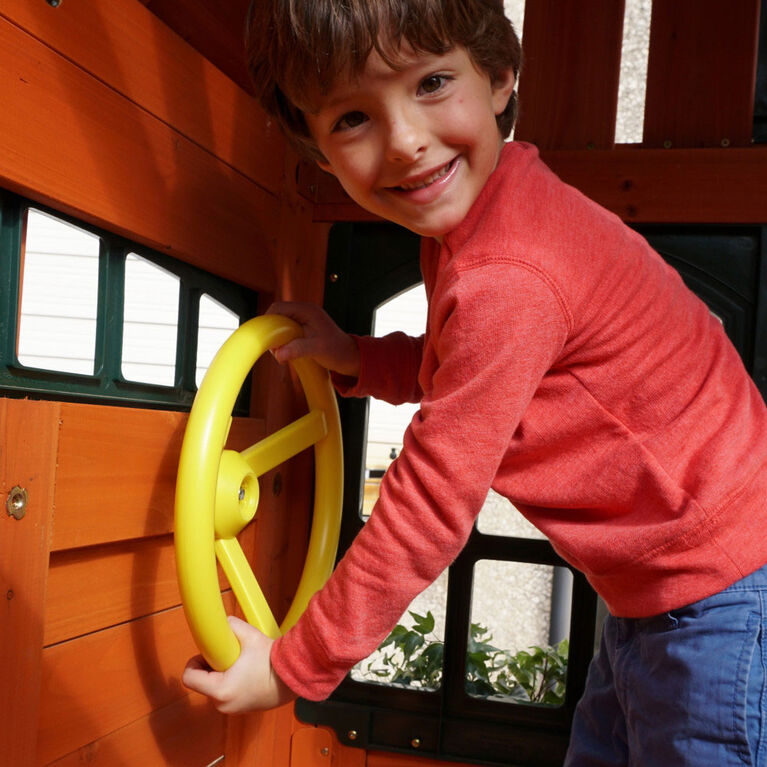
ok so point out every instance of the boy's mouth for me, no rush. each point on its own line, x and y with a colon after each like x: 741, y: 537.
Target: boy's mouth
x: 427, y: 180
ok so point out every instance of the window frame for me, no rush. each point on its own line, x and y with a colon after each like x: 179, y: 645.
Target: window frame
x: 107, y: 385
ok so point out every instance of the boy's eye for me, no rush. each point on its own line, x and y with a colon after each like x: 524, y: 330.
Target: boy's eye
x: 350, y: 120
x: 433, y: 83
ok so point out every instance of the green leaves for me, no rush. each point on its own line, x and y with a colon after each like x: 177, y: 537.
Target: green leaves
x: 413, y: 657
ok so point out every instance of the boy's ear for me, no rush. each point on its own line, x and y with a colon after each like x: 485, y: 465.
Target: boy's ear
x: 325, y: 165
x: 502, y: 89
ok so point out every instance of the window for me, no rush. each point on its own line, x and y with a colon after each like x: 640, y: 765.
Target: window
x: 89, y: 315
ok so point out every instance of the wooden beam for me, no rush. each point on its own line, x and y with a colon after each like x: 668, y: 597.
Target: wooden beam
x: 74, y: 143
x: 701, y: 73
x: 568, y: 88
x: 28, y: 439
x: 129, y: 49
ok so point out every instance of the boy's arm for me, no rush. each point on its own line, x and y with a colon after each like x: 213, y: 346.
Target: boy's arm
x: 389, y: 368
x: 491, y: 348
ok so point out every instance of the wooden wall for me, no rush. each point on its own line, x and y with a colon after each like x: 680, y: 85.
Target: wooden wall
x: 110, y: 116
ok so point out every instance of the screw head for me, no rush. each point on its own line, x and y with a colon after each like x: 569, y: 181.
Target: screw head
x: 16, y: 502
x: 352, y: 734
x: 415, y: 743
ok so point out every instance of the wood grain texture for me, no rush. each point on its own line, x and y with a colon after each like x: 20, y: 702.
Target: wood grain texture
x: 73, y: 142
x: 97, y: 684
x: 568, y: 88
x: 28, y: 434
x: 701, y: 73
x: 128, y: 48
x: 117, y: 472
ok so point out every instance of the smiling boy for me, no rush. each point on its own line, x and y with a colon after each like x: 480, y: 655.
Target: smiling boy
x: 564, y: 364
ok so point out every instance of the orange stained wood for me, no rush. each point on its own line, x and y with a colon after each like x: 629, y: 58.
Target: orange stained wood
x: 100, y: 586
x: 28, y: 441
x: 188, y: 732
x: 214, y: 28
x: 97, y: 684
x: 568, y: 88
x: 127, y: 47
x: 701, y: 73
x: 117, y: 472
x: 119, y: 157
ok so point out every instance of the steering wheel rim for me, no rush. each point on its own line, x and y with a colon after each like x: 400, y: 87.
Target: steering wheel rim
x: 217, y: 491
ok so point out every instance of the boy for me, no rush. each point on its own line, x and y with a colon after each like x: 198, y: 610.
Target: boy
x: 581, y: 379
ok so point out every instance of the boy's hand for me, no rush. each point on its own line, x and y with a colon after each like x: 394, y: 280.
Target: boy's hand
x: 323, y: 340
x: 250, y: 684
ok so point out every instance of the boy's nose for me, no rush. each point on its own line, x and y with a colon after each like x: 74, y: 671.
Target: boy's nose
x: 407, y: 139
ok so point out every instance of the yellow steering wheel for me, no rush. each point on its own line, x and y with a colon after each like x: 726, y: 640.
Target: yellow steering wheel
x: 217, y: 491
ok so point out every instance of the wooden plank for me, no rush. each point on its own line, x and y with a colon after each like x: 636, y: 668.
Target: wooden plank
x: 189, y: 732
x: 727, y: 186
x: 701, y: 73
x: 28, y: 432
x: 97, y: 684
x: 124, y: 169
x: 568, y: 88
x: 100, y: 586
x: 131, y: 50
x: 117, y: 471
x: 215, y: 29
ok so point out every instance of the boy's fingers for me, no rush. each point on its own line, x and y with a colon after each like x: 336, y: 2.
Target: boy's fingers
x: 197, y: 676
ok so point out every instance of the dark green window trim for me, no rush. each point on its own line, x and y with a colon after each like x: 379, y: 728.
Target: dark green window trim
x: 107, y: 384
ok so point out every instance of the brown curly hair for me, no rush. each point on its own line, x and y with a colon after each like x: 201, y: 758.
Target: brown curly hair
x: 299, y: 47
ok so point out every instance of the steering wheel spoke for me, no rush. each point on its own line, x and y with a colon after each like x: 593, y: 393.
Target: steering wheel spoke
x: 245, y: 587
x: 290, y: 440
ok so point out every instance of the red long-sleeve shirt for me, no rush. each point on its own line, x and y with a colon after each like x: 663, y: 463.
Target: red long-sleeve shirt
x: 565, y: 365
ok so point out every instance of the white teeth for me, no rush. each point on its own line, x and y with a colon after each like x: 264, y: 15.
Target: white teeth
x: 428, y: 180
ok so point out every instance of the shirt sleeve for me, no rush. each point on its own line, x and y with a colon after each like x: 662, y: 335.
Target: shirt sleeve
x: 389, y: 368
x: 496, y: 330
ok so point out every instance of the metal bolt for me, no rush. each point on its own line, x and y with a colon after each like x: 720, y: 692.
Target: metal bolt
x: 333, y: 277
x: 352, y: 734
x: 241, y: 494
x: 54, y: 3
x: 725, y: 142
x: 667, y: 144
x: 325, y: 751
x: 415, y: 743
x: 16, y: 503
x: 9, y: 595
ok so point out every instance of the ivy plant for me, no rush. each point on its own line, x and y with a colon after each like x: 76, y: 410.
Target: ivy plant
x: 412, y: 657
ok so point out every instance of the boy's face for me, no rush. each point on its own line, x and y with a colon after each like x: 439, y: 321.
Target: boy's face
x: 413, y: 145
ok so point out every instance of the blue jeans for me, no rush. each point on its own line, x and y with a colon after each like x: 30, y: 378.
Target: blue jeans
x: 681, y: 689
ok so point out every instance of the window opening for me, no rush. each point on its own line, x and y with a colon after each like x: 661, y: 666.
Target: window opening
x: 216, y: 324
x: 150, y: 322
x: 632, y: 82
x: 518, y: 638
x: 500, y: 517
x: 87, y: 315
x: 59, y: 295
x: 387, y: 423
